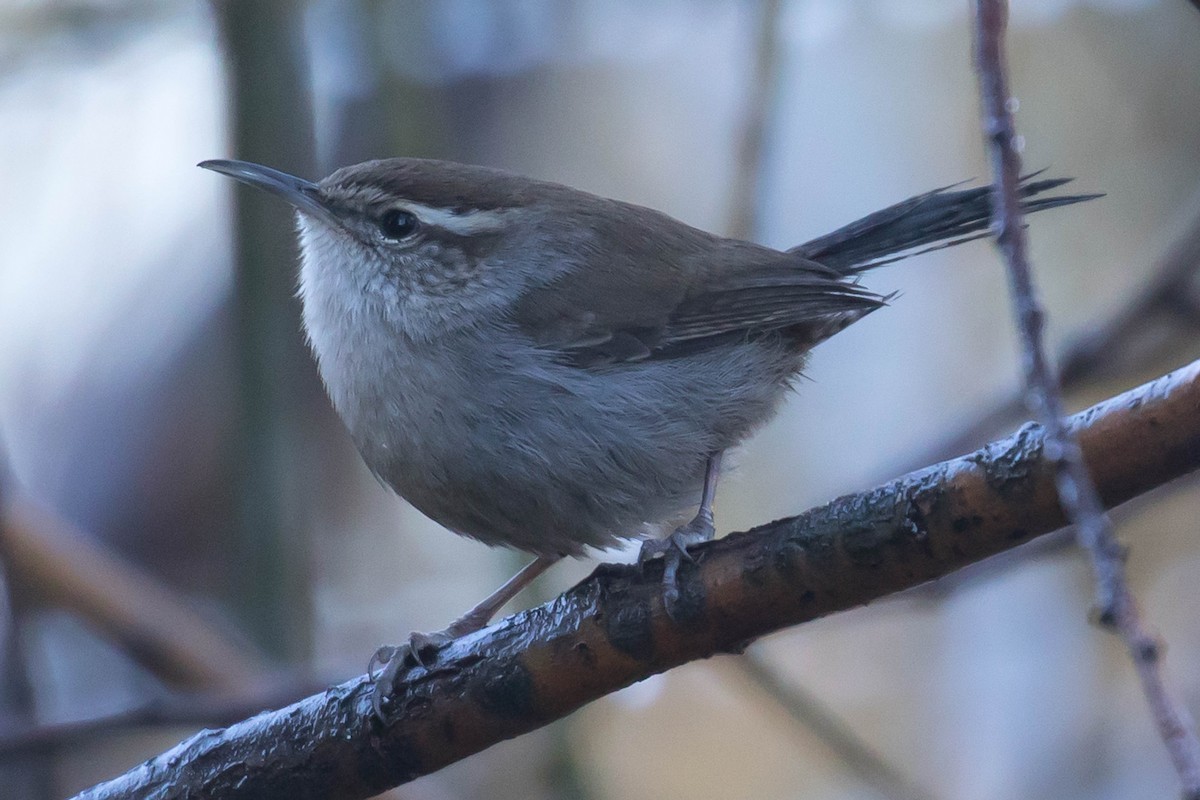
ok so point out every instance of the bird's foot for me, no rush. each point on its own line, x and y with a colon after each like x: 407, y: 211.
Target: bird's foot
x: 674, y: 551
x: 420, y: 650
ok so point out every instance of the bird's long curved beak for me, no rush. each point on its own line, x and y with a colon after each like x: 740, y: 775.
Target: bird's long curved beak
x: 305, y: 195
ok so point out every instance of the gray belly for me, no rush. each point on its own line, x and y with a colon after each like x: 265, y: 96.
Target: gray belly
x: 549, y: 458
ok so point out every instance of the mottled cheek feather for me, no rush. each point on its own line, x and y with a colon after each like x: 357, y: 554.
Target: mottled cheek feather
x: 420, y: 292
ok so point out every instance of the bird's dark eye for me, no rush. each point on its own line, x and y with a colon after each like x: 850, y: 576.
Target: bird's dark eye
x: 396, y: 223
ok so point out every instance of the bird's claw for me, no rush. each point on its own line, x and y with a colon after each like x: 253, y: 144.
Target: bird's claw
x: 380, y: 658
x: 674, y: 550
x: 419, y: 651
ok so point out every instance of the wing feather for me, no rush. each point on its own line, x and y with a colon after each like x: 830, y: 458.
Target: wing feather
x: 756, y: 292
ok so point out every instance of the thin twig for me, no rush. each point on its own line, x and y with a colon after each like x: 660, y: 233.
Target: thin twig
x: 802, y: 707
x: 1103, y: 346
x: 1077, y: 492
x: 763, y: 88
x: 1107, y: 349
x: 613, y: 629
x: 805, y: 708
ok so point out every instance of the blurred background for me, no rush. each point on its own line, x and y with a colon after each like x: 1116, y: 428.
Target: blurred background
x: 188, y: 534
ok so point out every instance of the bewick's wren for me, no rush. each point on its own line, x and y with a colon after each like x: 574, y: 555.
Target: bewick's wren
x: 534, y: 366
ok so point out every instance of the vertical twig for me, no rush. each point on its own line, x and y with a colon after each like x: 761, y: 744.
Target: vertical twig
x: 1104, y: 347
x: 1116, y: 609
x: 802, y: 707
x: 764, y: 84
x: 271, y: 123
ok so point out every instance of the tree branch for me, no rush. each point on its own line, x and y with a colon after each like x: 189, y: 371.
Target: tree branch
x: 179, y: 709
x: 1106, y: 349
x: 1117, y: 609
x: 150, y: 622
x: 611, y: 630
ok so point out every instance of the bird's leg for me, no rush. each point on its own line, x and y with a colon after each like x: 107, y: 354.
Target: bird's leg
x: 393, y: 659
x: 674, y: 547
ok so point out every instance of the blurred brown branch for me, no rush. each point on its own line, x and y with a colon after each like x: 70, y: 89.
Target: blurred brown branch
x: 63, y: 566
x: 182, y: 709
x: 1077, y: 491
x: 28, y: 777
x: 612, y: 630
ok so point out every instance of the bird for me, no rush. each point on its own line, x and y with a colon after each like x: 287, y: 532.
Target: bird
x: 535, y: 366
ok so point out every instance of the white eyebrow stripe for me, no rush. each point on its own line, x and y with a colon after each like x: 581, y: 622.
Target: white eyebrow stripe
x: 464, y: 223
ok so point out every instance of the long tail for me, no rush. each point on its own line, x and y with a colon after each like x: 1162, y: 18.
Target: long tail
x: 934, y: 220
